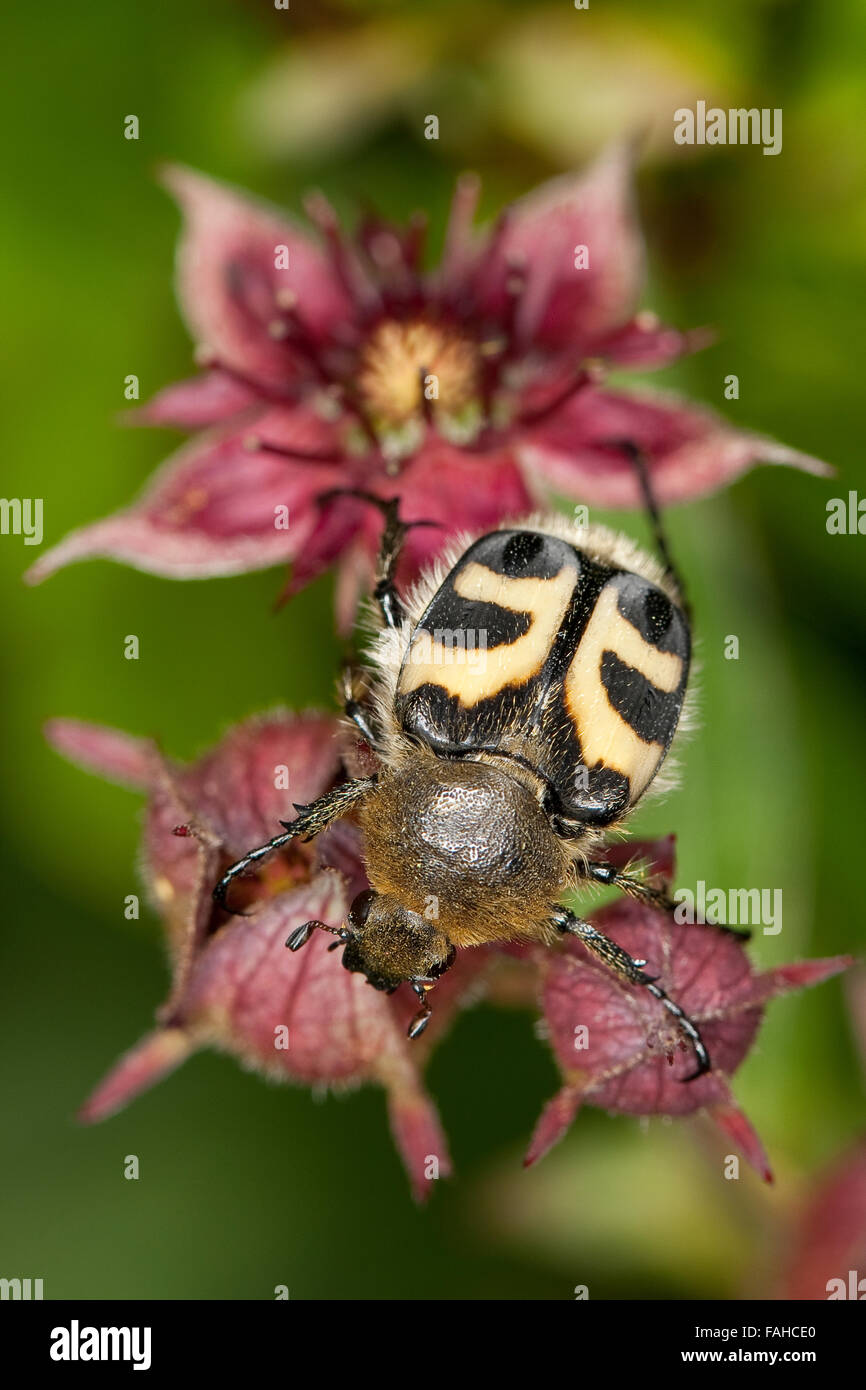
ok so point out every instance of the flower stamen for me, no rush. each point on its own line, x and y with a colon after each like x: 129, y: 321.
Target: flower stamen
x: 416, y: 368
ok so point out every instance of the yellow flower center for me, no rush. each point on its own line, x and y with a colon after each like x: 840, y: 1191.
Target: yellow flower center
x: 408, y: 368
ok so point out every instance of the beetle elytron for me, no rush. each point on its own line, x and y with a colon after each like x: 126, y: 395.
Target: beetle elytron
x: 502, y: 770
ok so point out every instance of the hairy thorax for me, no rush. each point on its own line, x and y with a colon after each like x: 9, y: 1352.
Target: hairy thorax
x: 467, y: 845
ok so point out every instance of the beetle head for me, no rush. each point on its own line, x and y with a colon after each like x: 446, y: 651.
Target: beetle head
x: 388, y: 944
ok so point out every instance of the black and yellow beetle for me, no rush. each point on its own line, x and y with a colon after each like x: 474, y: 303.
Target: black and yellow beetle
x: 522, y: 699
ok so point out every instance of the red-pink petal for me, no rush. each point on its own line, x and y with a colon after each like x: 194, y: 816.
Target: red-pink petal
x: 420, y: 1139
x: 619, y: 1049
x: 295, y: 1016
x: 643, y: 342
x: 340, y: 521
x: 736, y: 1126
x: 179, y: 871
x: 238, y: 790
x: 460, y: 491
x: 690, y: 451
x: 209, y: 399
x: 215, y: 507
x: 246, y: 985
x: 415, y: 1125
x: 456, y: 491
x: 137, y: 1070
x: 108, y: 752
x: 562, y: 307
x: 354, y: 581
x: 830, y: 1238
x: 800, y: 975
x: 555, y: 1120
x: 632, y: 1058
x: 302, y: 1017
x: 459, y: 247
x: 227, y: 279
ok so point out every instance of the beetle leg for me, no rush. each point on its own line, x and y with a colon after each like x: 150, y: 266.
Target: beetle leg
x: 634, y: 886
x: 421, y: 984
x: 630, y: 969
x: 355, y: 709
x: 310, y: 821
x: 394, y: 533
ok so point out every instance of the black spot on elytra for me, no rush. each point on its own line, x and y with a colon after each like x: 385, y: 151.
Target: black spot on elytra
x: 656, y: 618
x: 520, y: 551
x: 658, y: 610
x: 652, y: 713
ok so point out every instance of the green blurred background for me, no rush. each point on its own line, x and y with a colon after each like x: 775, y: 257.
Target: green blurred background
x: 243, y: 1185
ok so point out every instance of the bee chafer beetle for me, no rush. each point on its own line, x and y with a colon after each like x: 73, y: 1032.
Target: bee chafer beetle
x: 523, y: 698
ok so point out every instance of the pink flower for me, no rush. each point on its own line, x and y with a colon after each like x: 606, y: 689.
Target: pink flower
x: 474, y: 391
x: 827, y: 1253
x: 298, y: 1018
x: 617, y: 1047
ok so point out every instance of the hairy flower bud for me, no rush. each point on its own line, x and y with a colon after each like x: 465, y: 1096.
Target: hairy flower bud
x: 620, y: 1050
x: 293, y: 1017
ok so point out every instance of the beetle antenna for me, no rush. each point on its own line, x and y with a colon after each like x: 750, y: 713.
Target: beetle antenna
x: 301, y: 935
x: 640, y: 463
